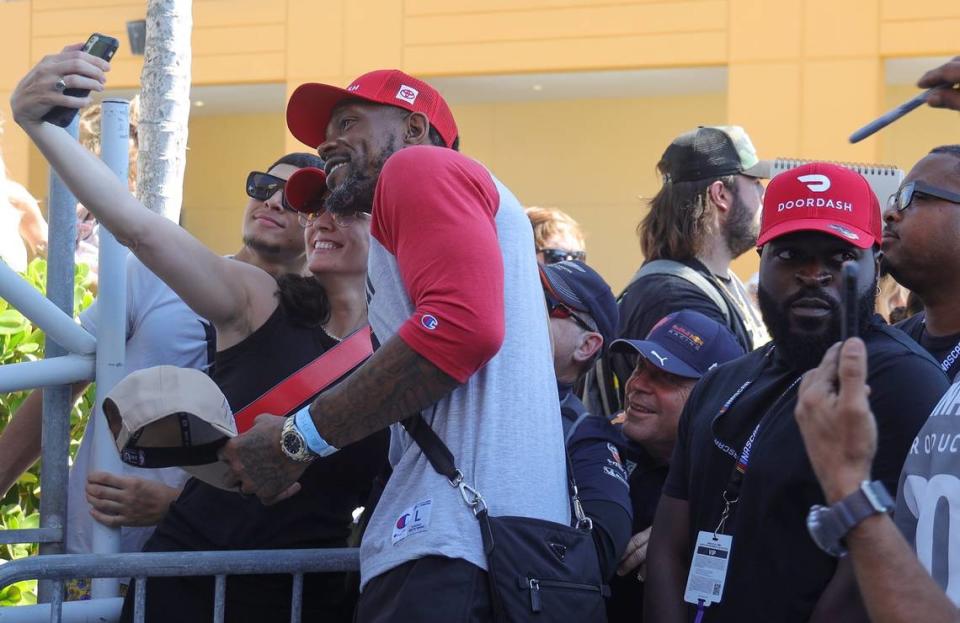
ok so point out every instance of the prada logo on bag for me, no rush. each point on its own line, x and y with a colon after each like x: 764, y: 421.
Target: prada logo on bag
x: 559, y: 550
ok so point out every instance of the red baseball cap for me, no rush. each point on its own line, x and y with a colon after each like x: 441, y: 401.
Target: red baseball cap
x: 310, y: 106
x: 821, y: 197
x: 305, y: 189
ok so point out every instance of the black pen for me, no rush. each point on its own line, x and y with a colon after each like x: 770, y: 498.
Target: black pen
x: 887, y: 118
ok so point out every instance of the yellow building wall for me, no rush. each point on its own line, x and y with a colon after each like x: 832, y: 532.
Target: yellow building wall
x: 802, y: 74
x: 594, y: 159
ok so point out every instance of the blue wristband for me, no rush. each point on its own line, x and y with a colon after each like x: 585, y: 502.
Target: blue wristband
x: 317, y: 444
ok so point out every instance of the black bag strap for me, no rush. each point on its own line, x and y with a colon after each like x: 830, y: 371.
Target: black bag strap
x: 441, y: 459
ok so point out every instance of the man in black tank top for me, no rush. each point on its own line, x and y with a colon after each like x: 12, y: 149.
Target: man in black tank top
x: 921, y: 227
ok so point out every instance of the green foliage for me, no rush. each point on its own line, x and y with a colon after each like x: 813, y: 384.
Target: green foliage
x: 21, y: 341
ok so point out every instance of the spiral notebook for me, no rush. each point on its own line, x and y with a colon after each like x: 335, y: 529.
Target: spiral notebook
x: 883, y: 179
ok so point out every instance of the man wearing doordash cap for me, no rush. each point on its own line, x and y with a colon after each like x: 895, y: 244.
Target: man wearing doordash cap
x: 455, y: 301
x: 167, y: 416
x: 738, y: 439
x: 825, y: 198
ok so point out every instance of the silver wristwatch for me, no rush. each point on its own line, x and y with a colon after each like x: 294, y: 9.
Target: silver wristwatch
x: 828, y: 525
x: 293, y: 444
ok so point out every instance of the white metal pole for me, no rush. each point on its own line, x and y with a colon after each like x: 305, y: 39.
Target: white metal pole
x: 62, y: 370
x: 111, y: 325
x: 56, y: 325
x: 55, y: 433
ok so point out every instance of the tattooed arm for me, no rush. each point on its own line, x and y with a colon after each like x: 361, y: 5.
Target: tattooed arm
x: 394, y: 383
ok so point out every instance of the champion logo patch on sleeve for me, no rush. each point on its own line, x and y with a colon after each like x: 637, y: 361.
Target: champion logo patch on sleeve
x: 429, y: 322
x: 412, y: 520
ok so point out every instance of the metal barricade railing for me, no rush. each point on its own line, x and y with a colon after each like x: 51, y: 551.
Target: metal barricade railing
x: 58, y: 568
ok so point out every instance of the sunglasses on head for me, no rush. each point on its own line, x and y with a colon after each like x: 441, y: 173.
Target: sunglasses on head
x: 556, y: 309
x: 262, y: 186
x: 552, y: 256
x: 905, y: 196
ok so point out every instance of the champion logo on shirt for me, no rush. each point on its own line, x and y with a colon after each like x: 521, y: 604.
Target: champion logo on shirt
x: 429, y: 322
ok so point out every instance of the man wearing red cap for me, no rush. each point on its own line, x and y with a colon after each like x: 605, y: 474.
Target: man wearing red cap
x: 730, y: 536
x: 456, y: 306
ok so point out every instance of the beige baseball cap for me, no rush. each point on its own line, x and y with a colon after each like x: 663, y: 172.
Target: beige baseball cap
x: 172, y: 417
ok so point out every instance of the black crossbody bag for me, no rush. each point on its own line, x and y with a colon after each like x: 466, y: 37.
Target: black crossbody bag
x: 537, y: 570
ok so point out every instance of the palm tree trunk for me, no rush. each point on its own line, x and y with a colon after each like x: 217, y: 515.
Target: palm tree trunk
x: 165, y: 106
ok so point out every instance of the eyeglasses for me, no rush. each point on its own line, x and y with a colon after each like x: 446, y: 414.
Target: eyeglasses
x: 557, y: 309
x: 312, y: 211
x: 552, y: 256
x: 262, y: 186
x: 904, y: 197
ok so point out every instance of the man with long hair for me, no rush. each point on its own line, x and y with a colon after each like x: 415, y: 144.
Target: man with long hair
x: 706, y: 214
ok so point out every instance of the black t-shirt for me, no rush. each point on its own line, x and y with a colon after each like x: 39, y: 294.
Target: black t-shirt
x: 320, y: 515
x: 647, y: 475
x: 945, y: 348
x: 776, y: 572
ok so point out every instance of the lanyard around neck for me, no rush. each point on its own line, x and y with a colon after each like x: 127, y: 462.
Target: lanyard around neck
x: 731, y: 492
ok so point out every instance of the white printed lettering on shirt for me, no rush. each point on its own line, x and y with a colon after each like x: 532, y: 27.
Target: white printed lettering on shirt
x: 923, y: 497
x: 412, y: 520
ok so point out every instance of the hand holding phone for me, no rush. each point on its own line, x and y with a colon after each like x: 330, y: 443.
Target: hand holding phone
x: 849, y: 313
x: 97, y: 45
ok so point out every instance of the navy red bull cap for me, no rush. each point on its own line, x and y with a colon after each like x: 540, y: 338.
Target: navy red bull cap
x: 685, y: 343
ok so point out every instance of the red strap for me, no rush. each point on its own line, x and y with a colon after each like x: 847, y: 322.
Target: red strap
x: 309, y: 380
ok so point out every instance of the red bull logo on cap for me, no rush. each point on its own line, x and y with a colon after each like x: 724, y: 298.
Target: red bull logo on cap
x: 687, y: 336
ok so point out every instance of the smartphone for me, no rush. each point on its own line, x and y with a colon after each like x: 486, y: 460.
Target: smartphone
x: 98, y: 45
x: 848, y: 300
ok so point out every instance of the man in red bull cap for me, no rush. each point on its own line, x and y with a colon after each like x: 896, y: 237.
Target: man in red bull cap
x: 456, y: 306
x: 730, y: 536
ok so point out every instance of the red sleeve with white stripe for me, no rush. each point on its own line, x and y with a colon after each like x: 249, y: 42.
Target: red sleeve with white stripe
x: 435, y: 211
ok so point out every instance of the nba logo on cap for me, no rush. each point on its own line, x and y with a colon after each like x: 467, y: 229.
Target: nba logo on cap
x: 407, y: 94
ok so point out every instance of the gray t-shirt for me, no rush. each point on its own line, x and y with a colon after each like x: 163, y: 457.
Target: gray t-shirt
x: 502, y: 424
x: 928, y: 500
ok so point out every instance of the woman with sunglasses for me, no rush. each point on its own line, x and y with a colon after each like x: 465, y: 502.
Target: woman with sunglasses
x: 266, y: 330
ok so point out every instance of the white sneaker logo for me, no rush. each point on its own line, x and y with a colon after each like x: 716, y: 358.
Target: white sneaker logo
x: 816, y: 182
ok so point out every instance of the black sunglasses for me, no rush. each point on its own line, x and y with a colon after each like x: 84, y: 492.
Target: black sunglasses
x: 552, y: 256
x: 262, y: 186
x: 904, y: 197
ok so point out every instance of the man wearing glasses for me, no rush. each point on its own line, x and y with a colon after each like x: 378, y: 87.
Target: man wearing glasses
x: 921, y: 229
x: 840, y: 432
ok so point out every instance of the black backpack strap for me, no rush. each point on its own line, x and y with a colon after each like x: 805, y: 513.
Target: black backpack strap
x: 678, y: 269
